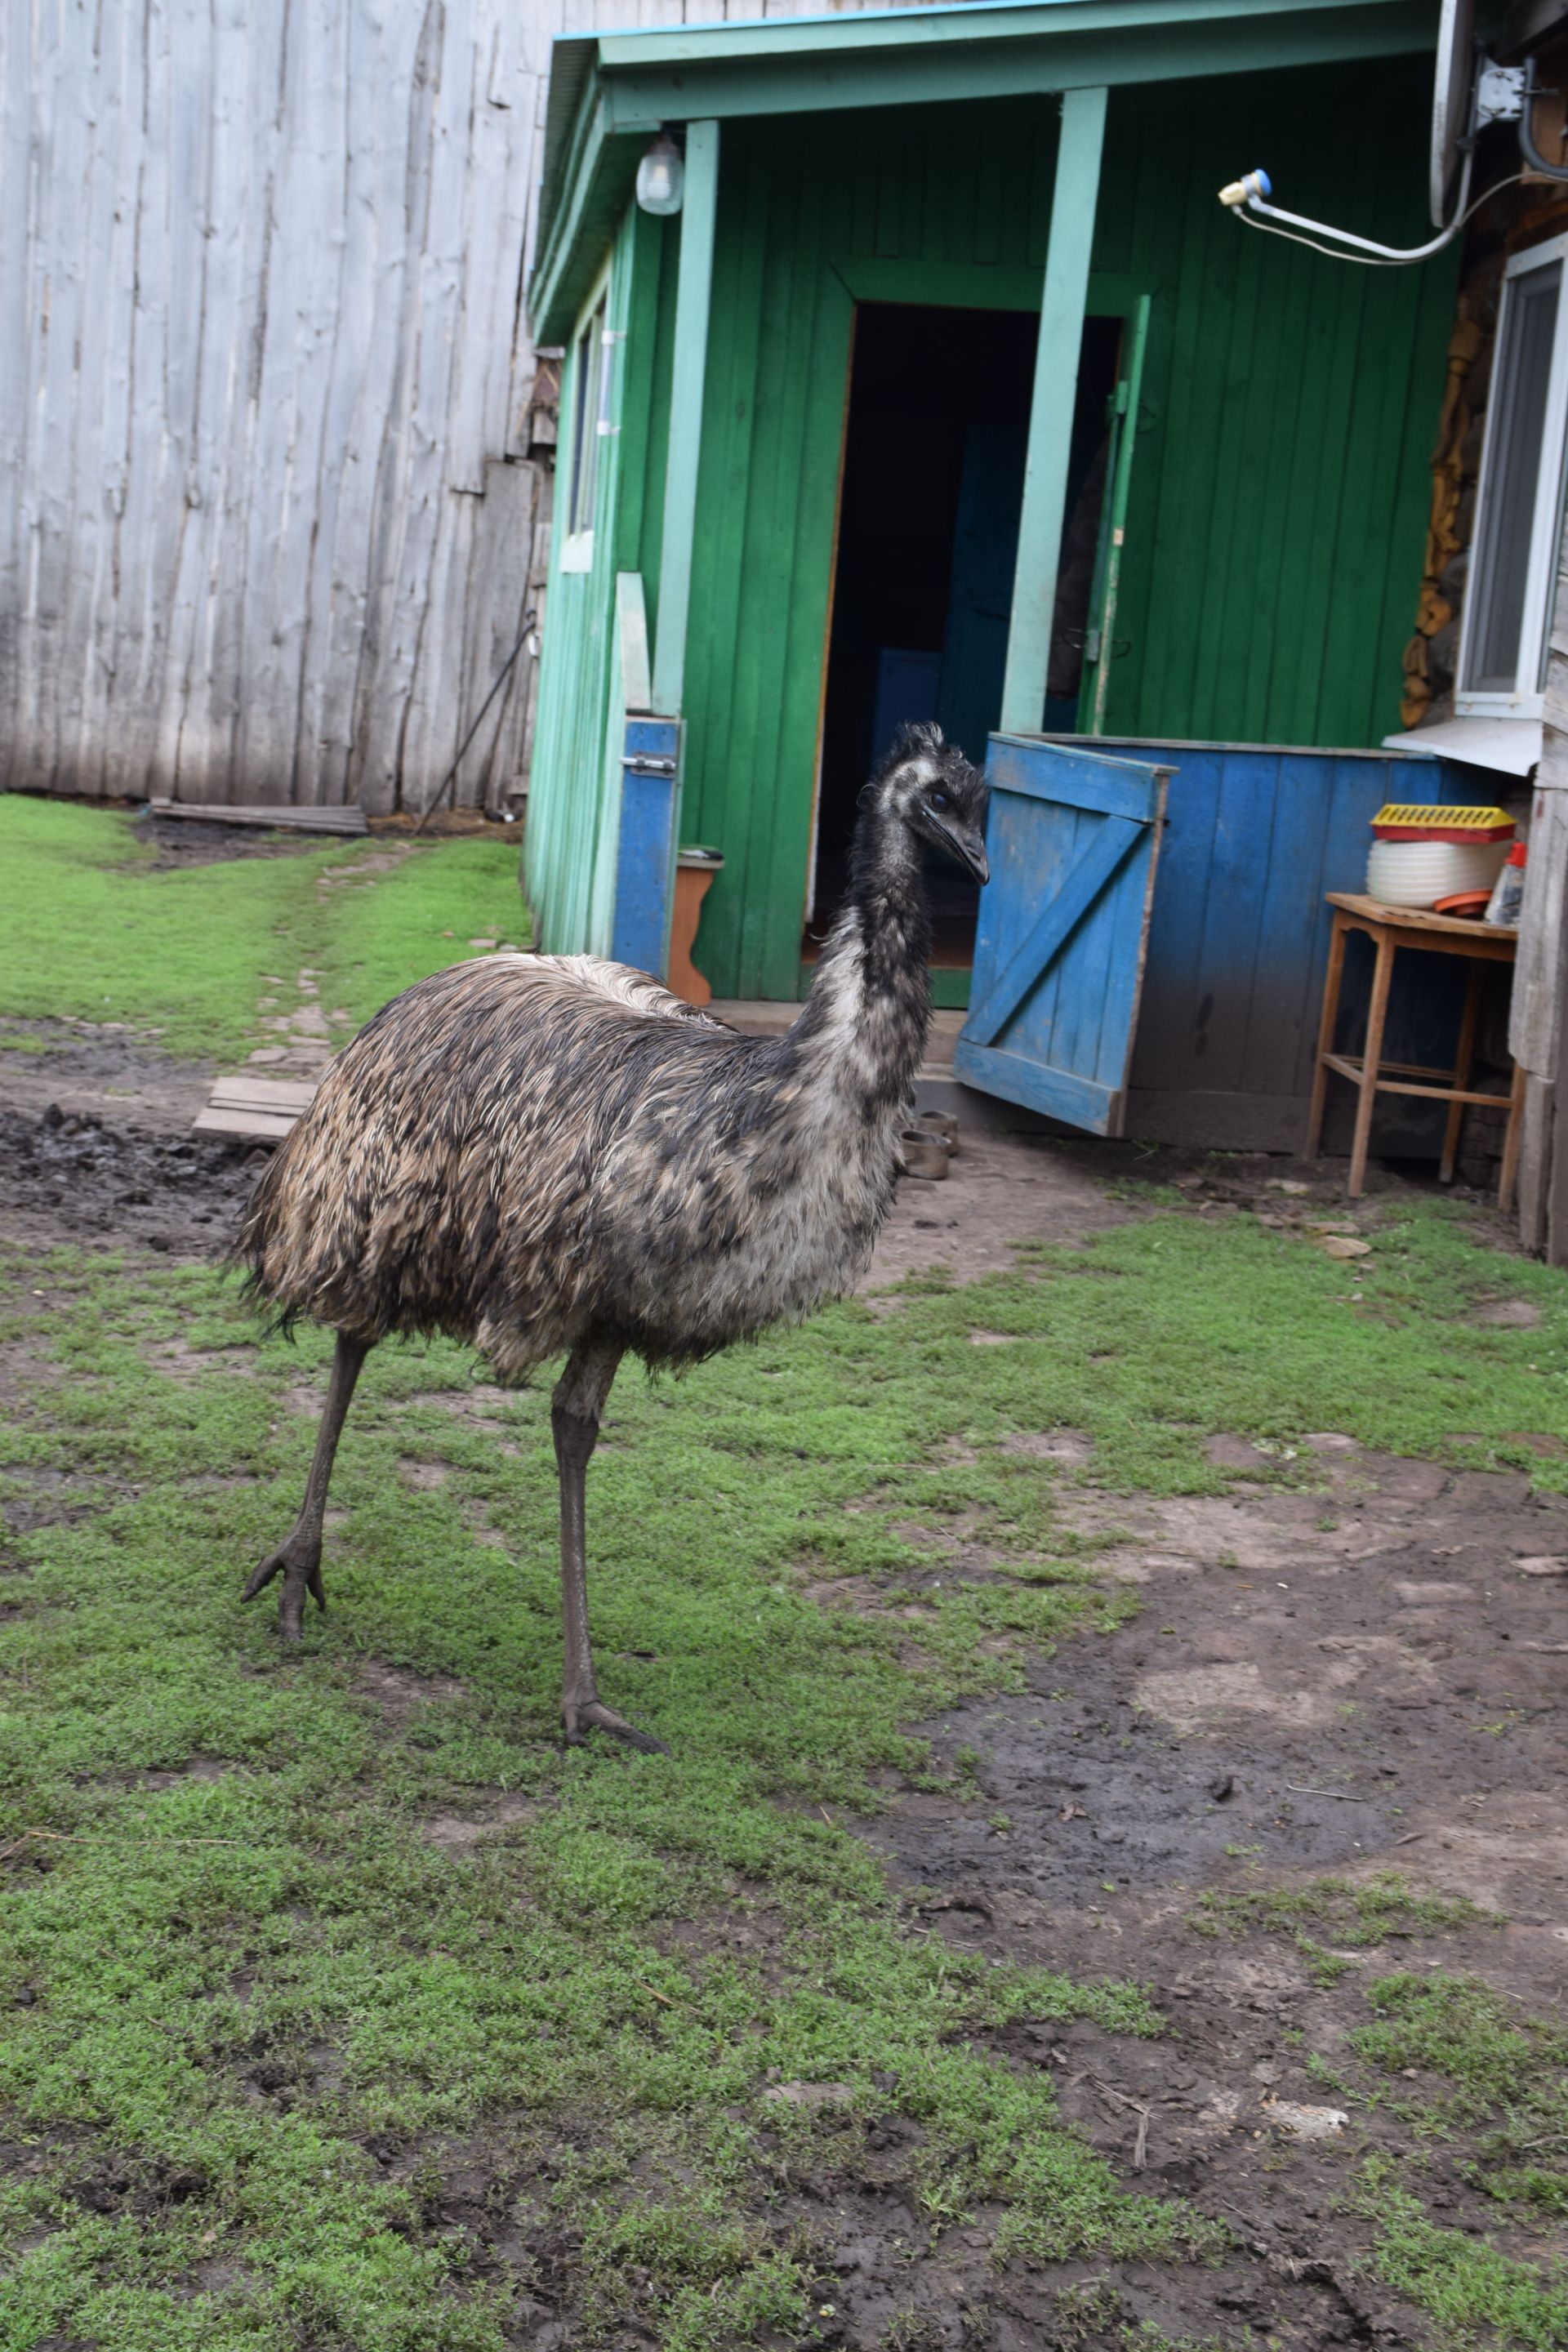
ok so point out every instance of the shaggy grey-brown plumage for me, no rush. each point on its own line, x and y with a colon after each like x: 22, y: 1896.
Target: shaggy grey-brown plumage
x: 550, y: 1153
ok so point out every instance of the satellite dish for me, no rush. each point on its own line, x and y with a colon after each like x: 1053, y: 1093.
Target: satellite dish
x: 1451, y: 100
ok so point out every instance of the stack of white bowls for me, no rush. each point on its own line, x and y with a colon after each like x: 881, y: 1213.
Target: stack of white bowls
x: 1419, y: 873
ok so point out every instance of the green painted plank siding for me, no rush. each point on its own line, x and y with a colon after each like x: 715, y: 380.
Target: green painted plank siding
x: 574, y: 786
x: 1278, y: 497
x: 1281, y: 489
x: 799, y: 203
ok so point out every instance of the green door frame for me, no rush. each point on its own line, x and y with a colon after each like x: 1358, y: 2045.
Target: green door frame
x: 1064, y: 301
x: 693, y: 298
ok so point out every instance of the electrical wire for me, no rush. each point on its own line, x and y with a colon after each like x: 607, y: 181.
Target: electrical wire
x: 1386, y: 259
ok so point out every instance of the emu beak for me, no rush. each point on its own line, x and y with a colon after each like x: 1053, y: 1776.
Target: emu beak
x: 964, y: 845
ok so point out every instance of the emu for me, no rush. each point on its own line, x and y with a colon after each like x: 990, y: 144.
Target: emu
x: 550, y: 1154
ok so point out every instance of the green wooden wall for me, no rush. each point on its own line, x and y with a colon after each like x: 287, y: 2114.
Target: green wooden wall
x: 1282, y: 486
x: 808, y: 210
x: 1280, y: 491
x: 574, y: 797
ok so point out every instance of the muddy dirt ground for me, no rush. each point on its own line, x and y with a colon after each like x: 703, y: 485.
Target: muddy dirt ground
x: 1362, y: 1679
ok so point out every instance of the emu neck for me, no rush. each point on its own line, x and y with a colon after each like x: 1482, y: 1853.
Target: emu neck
x: 869, y: 1006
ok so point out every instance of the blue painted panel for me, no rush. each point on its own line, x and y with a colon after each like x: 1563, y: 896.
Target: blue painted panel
x: 1177, y: 924
x: 1238, y: 937
x: 1293, y: 928
x: 1115, y: 787
x: 645, y: 855
x: 1077, y: 1102
x: 1059, y: 950
x: 1238, y: 931
x: 1228, y: 951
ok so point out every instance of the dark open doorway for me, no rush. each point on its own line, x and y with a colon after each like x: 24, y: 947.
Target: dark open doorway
x: 927, y: 531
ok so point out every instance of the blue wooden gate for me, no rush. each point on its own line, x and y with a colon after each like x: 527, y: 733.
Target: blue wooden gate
x: 1058, y: 957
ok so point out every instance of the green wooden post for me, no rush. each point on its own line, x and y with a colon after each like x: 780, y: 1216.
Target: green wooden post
x: 689, y: 366
x: 1073, y: 201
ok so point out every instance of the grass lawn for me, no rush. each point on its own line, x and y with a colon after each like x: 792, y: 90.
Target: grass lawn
x: 92, y: 931
x: 291, y: 1942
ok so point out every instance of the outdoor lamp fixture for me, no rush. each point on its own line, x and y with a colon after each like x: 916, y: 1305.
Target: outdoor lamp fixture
x: 662, y: 177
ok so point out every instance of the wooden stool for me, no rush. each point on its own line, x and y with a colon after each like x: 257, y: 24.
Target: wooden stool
x: 694, y: 872
x: 1389, y: 929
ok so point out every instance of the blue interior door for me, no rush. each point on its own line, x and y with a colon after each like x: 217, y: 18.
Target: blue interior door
x: 1073, y: 838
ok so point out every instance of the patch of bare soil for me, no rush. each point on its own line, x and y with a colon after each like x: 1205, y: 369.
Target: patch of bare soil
x: 180, y: 842
x: 491, y: 1812
x: 399, y: 1692
x: 1000, y: 1189
x: 1381, y: 1693
x: 77, y: 1176
x: 104, y: 1071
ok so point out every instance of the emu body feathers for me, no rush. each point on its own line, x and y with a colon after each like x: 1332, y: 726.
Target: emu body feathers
x: 526, y: 1150
x: 548, y: 1153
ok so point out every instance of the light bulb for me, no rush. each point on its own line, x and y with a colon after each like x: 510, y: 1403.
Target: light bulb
x: 662, y: 177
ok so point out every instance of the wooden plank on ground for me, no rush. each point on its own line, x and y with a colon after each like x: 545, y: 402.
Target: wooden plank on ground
x: 284, y: 818
x: 264, y: 1127
x: 262, y: 1110
x: 293, y: 1096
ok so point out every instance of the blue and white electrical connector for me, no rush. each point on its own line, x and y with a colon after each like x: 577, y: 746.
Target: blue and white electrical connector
x: 1489, y: 93
x: 1248, y: 200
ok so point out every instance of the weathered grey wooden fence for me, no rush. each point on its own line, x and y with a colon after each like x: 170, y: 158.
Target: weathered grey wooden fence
x: 271, y: 504
x: 1539, y: 1025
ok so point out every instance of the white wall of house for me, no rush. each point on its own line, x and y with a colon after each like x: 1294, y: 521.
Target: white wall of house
x: 268, y: 519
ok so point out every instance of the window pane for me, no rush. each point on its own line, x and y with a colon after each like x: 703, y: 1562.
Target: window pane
x: 1506, y: 526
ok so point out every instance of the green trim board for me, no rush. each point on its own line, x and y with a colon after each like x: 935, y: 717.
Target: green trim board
x: 693, y: 299
x: 598, y: 171
x: 569, y: 843
x: 1075, y: 201
x: 971, y: 22
x: 1150, y: 44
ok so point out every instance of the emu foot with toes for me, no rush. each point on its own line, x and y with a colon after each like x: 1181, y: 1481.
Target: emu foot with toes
x: 301, y: 1568
x: 592, y: 1715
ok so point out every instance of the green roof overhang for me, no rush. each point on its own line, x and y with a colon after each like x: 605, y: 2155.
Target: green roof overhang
x: 609, y: 93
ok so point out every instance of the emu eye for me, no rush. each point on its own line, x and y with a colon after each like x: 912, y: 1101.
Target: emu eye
x: 939, y: 800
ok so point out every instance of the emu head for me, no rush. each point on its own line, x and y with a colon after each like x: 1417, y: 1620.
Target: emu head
x: 931, y: 785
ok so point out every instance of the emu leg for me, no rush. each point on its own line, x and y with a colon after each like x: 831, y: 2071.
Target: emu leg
x: 575, y: 1409
x: 297, y: 1559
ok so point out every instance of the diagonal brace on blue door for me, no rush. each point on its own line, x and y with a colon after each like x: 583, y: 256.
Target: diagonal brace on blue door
x: 1113, y: 845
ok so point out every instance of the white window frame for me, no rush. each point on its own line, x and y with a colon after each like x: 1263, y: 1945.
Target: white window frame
x: 1527, y: 700
x: 598, y: 354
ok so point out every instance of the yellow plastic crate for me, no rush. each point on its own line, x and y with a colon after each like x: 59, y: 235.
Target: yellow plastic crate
x: 1431, y: 821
